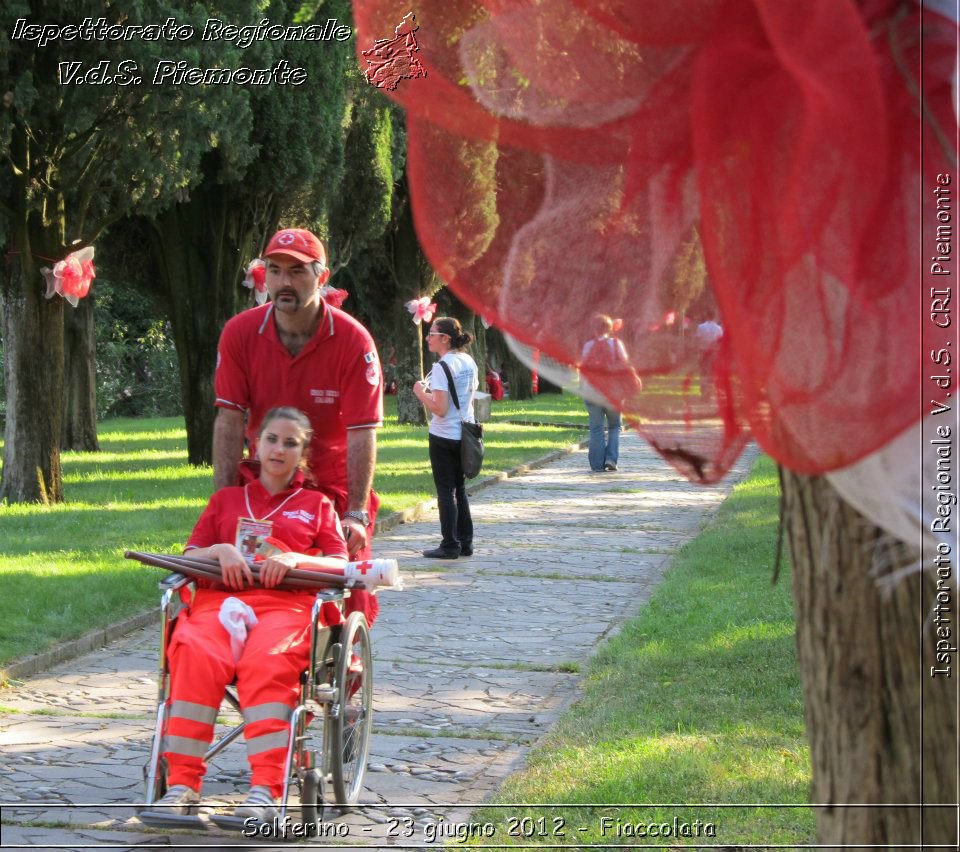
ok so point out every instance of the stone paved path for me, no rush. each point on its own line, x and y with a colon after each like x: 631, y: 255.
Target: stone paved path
x: 474, y: 661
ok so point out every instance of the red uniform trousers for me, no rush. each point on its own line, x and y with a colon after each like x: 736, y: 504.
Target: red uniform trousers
x: 201, y: 663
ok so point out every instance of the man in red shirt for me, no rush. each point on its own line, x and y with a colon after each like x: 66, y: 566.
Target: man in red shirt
x: 299, y: 351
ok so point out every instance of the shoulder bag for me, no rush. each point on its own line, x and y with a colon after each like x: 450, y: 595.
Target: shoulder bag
x: 471, y: 440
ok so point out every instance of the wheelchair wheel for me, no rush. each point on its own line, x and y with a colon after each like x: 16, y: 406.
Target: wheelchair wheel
x: 351, y: 724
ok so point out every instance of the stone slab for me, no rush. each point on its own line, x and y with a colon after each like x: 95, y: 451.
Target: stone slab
x: 473, y: 663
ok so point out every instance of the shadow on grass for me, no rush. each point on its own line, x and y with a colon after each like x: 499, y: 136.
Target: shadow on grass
x: 700, y: 724
x: 169, y: 444
x: 139, y: 487
x: 113, y: 466
x: 98, y: 527
x: 53, y: 607
x: 732, y: 677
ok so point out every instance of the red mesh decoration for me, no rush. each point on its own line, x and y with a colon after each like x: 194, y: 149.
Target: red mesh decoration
x: 756, y: 162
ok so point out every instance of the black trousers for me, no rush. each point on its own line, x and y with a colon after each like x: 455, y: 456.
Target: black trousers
x: 456, y: 525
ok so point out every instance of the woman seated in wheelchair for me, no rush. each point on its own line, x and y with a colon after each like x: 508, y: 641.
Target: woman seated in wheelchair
x: 203, y: 656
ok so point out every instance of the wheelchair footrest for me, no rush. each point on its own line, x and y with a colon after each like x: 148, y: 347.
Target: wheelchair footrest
x: 159, y: 819
x: 228, y: 822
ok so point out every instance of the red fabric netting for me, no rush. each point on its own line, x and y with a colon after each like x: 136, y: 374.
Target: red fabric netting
x: 756, y: 162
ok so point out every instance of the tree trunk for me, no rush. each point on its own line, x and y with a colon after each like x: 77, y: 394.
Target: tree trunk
x: 410, y: 369
x: 519, y: 377
x: 512, y: 369
x: 199, y: 248
x: 548, y: 387
x: 881, y: 728
x: 33, y: 365
x: 80, y: 378
x: 414, y: 277
x: 479, y: 351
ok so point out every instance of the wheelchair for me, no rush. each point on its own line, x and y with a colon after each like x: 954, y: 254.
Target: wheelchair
x: 336, y: 696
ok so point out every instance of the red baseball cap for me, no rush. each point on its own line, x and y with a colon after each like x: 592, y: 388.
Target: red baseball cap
x: 298, y: 243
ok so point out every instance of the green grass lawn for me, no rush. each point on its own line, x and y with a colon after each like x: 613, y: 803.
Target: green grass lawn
x: 546, y: 408
x: 697, y: 700
x: 62, y: 571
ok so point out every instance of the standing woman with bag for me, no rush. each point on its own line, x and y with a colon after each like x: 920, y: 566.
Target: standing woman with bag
x: 448, y: 396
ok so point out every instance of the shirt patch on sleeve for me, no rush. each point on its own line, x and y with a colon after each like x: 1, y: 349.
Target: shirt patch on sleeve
x: 373, y: 374
x: 370, y: 357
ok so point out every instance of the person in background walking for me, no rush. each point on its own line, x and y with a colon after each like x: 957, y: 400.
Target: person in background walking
x: 447, y: 340
x: 707, y: 338
x: 603, y: 353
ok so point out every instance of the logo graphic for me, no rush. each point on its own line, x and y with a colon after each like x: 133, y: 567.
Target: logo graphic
x: 324, y: 397
x: 300, y: 515
x: 391, y: 60
x: 286, y: 239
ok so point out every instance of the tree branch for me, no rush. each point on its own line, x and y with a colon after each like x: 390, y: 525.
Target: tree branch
x: 345, y: 255
x: 96, y: 126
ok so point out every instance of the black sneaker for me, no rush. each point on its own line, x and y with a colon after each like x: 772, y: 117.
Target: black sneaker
x: 609, y: 466
x: 466, y: 550
x: 440, y: 553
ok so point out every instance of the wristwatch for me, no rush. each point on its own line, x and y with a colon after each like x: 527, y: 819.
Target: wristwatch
x: 359, y: 515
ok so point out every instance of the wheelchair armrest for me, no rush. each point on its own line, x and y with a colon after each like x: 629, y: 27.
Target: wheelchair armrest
x: 171, y: 603
x: 331, y: 594
x: 173, y: 582
x: 328, y: 595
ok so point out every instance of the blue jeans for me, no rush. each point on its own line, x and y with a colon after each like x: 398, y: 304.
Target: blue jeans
x: 604, y: 449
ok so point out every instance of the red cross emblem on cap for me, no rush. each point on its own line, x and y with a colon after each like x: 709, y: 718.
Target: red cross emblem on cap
x: 286, y: 238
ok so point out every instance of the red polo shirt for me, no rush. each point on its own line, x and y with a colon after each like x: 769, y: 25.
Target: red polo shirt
x: 303, y: 519
x: 336, y: 381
